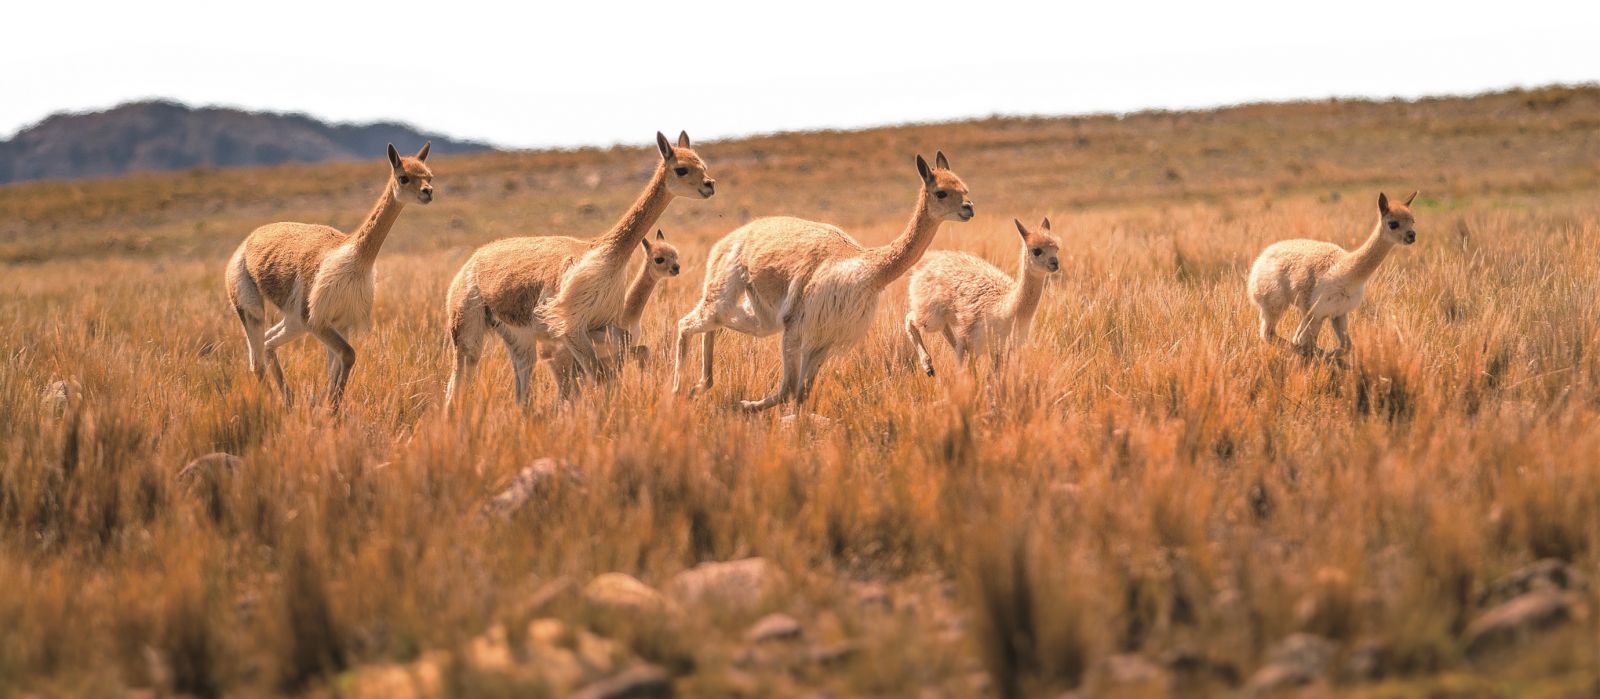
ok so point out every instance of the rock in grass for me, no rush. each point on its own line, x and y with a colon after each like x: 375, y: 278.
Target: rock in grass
x: 642, y: 681
x: 620, y: 592
x: 1518, y: 621
x: 208, y: 468
x: 773, y: 627
x: 1546, y: 574
x: 741, y: 584
x: 1296, y: 661
x: 534, y: 479
x: 60, y: 396
x: 1130, y: 672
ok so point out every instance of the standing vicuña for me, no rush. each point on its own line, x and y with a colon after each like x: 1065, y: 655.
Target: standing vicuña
x: 975, y: 305
x: 319, y: 279
x: 812, y: 281
x: 660, y: 264
x: 520, y: 287
x: 1322, y: 280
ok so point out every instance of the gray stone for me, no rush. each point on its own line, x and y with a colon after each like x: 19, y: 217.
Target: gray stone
x: 620, y: 592
x: 1129, y: 670
x: 642, y: 681
x: 209, y: 467
x: 1545, y: 574
x: 60, y: 396
x: 1517, y: 621
x: 535, y: 479
x: 1296, y: 661
x: 741, y: 584
x: 773, y: 627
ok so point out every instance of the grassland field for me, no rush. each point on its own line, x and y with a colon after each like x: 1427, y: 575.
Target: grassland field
x: 1147, y: 485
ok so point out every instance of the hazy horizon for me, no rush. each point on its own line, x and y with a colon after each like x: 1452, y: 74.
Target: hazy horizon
x: 524, y: 77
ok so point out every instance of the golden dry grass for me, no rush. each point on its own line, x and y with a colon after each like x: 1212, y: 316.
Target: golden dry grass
x: 1147, y: 477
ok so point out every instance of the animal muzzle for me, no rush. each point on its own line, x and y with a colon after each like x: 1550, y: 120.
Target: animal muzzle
x: 966, y: 212
x: 425, y: 196
x: 1411, y: 237
x: 708, y: 188
x: 1055, y: 265
x: 675, y: 270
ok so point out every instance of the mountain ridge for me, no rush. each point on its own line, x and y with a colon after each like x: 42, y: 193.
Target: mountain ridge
x: 164, y: 135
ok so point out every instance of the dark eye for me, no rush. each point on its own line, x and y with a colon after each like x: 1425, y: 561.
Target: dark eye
x: 941, y: 195
x: 1038, y: 251
x: 405, y: 180
x: 681, y: 171
x: 1393, y: 225
x: 660, y: 260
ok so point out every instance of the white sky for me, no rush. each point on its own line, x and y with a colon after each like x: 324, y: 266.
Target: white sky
x: 583, y: 72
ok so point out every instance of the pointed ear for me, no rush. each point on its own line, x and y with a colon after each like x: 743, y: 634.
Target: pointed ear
x: 645, y: 241
x: 683, y: 139
x: 1411, y: 198
x: 423, y: 153
x: 1046, y: 224
x: 394, y: 157
x: 940, y: 161
x: 922, y: 169
x: 1020, y: 229
x: 666, y: 148
x: 660, y: 235
x: 1383, y: 203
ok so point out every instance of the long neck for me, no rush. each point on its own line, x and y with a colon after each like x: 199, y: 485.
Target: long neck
x: 624, y: 237
x: 638, y: 294
x: 890, y: 262
x: 1023, y: 301
x: 1363, y: 262
x: 370, y: 236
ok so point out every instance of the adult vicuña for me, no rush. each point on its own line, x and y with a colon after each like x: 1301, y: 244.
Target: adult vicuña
x: 319, y: 279
x: 975, y: 305
x: 520, y: 287
x: 1322, y: 280
x: 660, y: 264
x: 812, y: 281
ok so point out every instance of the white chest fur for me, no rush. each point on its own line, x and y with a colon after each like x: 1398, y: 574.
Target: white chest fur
x: 341, y: 298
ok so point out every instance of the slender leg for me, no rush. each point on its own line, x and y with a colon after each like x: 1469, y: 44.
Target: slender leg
x: 708, y: 352
x: 340, y: 377
x: 524, y: 355
x: 685, y: 329
x: 254, y: 339
x: 699, y: 321
x: 790, y: 379
x: 461, y: 377
x: 469, y: 322
x: 916, y: 341
x: 278, y: 336
x: 1305, y: 336
x: 1269, y: 325
x: 1341, y: 327
x: 808, y: 374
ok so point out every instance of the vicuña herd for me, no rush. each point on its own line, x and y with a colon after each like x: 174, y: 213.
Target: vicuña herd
x: 572, y: 303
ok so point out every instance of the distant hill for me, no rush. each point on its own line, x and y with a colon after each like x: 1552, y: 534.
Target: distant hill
x: 161, y: 135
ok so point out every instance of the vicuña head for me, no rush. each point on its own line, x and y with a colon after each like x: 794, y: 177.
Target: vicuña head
x: 947, y: 194
x: 661, y: 258
x: 411, y: 178
x: 1044, y: 249
x: 1398, y: 225
x: 687, y: 173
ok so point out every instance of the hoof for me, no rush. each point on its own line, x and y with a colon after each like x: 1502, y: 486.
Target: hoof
x: 753, y: 406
